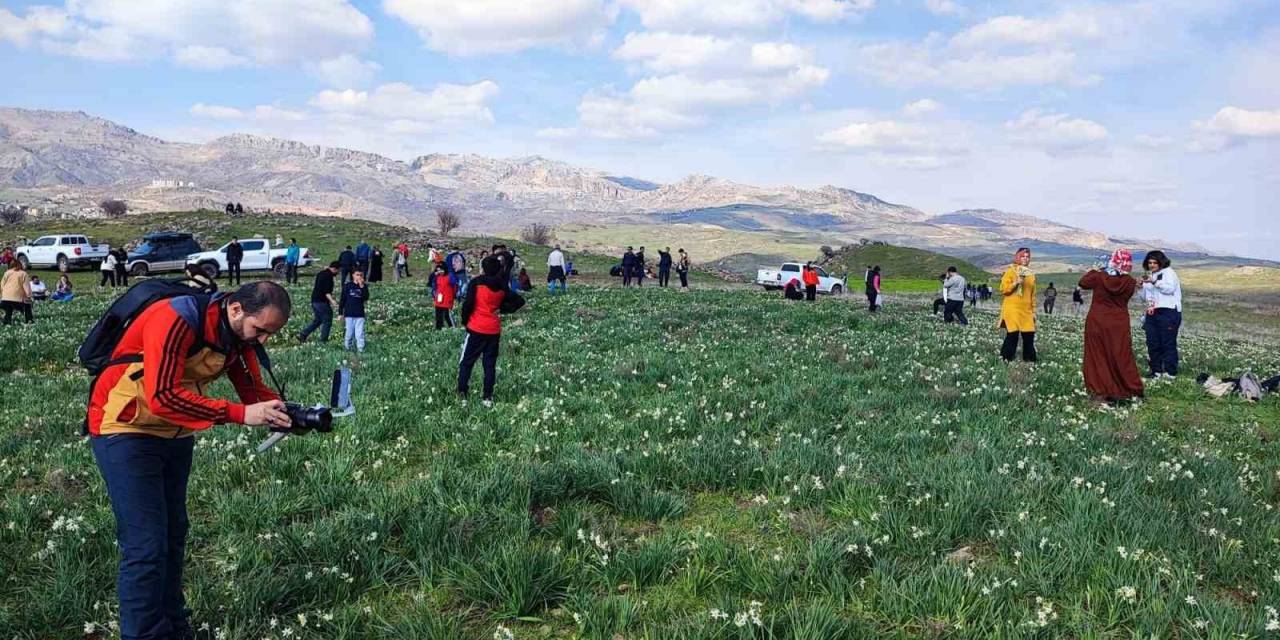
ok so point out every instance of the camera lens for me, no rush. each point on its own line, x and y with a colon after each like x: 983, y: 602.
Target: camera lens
x: 317, y: 418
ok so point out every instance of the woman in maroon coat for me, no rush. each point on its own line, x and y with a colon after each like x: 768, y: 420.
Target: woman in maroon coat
x: 1110, y: 369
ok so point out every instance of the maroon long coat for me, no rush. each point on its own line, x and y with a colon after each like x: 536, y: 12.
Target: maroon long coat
x: 1110, y: 370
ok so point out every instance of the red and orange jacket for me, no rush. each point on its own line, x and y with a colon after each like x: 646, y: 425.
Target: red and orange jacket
x: 810, y: 277
x: 164, y: 394
x: 443, y: 296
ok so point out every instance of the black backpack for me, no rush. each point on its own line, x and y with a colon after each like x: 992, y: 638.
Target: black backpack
x: 95, y: 352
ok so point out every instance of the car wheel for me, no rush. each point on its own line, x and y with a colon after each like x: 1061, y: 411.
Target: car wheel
x: 836, y: 290
x: 63, y: 263
x: 26, y: 264
x: 278, y: 269
x: 210, y: 269
x: 139, y: 269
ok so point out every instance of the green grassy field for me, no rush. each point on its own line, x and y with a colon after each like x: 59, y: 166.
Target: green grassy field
x: 716, y: 464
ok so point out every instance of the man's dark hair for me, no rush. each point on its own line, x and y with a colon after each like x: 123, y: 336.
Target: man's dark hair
x: 348, y: 247
x: 951, y: 270
x: 876, y: 268
x: 335, y: 265
x: 1160, y: 258
x: 256, y: 296
x: 1021, y: 249
x: 490, y: 266
x: 293, y: 240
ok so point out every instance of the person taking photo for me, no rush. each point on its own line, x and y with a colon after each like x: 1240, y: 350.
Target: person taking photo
x: 144, y: 408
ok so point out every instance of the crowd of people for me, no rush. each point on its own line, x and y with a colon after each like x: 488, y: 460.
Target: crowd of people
x: 634, y: 267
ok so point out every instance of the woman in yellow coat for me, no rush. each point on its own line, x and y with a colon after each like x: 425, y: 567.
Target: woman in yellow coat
x: 1018, y: 309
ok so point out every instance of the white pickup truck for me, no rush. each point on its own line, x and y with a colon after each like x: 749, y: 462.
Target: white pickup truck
x: 258, y: 256
x: 62, y: 251
x: 778, y: 278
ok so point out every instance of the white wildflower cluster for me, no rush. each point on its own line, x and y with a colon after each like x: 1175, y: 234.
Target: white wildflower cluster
x: 598, y: 544
x: 1045, y: 614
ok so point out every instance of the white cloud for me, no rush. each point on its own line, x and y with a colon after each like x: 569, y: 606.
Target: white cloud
x: 908, y: 65
x: 1233, y: 126
x: 662, y: 51
x: 882, y: 135
x: 473, y: 27
x: 737, y: 15
x: 904, y: 145
x: 347, y: 70
x: 1056, y: 132
x: 921, y: 107
x: 260, y: 113
x: 1153, y: 142
x: 944, y: 7
x: 204, y: 34
x: 208, y: 58
x: 409, y: 107
x: 1018, y: 30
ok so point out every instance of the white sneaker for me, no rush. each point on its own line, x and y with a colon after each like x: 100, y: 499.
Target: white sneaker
x: 487, y: 403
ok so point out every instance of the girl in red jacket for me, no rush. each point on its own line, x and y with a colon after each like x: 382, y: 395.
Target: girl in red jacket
x: 487, y: 296
x: 442, y: 296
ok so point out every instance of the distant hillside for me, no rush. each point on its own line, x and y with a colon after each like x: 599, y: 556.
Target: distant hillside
x: 899, y: 262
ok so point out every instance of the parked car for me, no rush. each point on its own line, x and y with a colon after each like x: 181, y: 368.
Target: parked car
x: 778, y: 278
x: 61, y: 251
x: 258, y: 256
x: 163, y: 251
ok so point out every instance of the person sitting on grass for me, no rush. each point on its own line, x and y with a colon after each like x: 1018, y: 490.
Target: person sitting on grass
x: 487, y: 297
x: 39, y: 290
x: 792, y: 290
x: 351, y: 310
x: 526, y: 284
x: 63, y: 293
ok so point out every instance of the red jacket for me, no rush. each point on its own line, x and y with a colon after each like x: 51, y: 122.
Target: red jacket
x: 483, y: 317
x: 810, y: 277
x: 444, y: 292
x: 164, y: 394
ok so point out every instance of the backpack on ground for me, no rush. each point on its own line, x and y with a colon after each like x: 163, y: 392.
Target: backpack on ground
x: 1250, y: 387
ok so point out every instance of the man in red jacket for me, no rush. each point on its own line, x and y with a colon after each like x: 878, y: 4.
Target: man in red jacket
x: 143, y: 412
x: 487, y: 296
x: 442, y: 296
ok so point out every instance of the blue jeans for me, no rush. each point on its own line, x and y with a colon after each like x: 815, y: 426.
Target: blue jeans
x: 147, y: 484
x: 1161, y: 328
x: 354, y: 330
x: 323, y: 320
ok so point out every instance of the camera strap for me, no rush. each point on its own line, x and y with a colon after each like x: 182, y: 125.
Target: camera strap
x: 264, y: 361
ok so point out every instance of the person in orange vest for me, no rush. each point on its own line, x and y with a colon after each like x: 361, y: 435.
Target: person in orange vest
x: 810, y: 275
x: 442, y: 296
x: 487, y: 296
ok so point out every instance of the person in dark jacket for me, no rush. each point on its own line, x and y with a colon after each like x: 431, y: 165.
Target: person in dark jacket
x: 122, y: 267
x: 640, y: 267
x: 347, y: 263
x: 628, y: 266
x: 664, y: 266
x: 235, y: 255
x: 363, y: 254
x: 351, y: 310
x: 375, y: 265
x: 682, y: 270
x: 487, y: 296
x: 322, y: 304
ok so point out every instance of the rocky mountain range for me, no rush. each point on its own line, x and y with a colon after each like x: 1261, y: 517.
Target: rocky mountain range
x: 67, y: 157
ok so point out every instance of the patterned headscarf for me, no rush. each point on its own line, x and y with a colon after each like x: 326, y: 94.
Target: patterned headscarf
x: 1019, y: 253
x: 1121, y: 261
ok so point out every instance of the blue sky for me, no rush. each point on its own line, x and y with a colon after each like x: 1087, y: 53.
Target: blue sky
x: 1140, y: 118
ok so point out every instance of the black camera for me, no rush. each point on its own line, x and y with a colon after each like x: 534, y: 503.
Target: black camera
x: 317, y: 418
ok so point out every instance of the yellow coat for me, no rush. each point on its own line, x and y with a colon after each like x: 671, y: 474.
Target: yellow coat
x: 1018, y: 309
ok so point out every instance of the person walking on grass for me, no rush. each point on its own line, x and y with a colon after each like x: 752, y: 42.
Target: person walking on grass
x: 15, y: 292
x: 235, y: 255
x: 628, y: 266
x: 873, y: 288
x: 487, y: 296
x: 1018, y: 308
x: 322, y: 303
x: 1162, y: 291
x: 955, y: 288
x: 375, y: 265
x: 556, y: 275
x: 1110, y: 369
x: 1077, y: 299
x: 397, y: 265
x: 810, y: 277
x: 1050, y: 297
x: 664, y: 267
x: 442, y: 295
x: 346, y: 264
x: 351, y: 310
x: 682, y: 269
x: 363, y: 254
x: 292, y: 255
x: 108, y: 269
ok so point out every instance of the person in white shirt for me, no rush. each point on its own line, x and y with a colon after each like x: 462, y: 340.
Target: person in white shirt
x: 1162, y: 292
x: 39, y: 290
x: 108, y: 269
x: 953, y: 295
x: 555, y: 271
